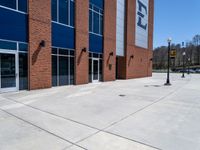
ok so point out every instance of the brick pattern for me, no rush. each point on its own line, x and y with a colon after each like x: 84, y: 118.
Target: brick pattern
x: 82, y: 41
x: 109, y: 61
x: 140, y: 64
x: 39, y: 57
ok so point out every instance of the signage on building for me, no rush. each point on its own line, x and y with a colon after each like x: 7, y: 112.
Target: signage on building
x: 142, y: 13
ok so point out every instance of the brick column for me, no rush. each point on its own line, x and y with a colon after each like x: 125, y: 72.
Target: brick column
x: 109, y: 53
x: 82, y: 41
x: 151, y: 29
x: 39, y: 56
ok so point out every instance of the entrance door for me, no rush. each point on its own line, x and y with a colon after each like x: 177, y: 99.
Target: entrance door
x: 8, y: 72
x: 95, y: 70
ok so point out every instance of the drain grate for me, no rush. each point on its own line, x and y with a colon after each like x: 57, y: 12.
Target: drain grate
x: 122, y: 95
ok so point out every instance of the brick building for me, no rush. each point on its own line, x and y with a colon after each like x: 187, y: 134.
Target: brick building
x: 71, y: 42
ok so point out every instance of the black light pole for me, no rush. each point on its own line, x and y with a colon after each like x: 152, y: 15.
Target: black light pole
x: 184, y: 54
x: 188, y: 65
x: 168, y: 62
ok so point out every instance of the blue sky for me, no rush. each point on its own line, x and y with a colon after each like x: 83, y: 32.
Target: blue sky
x: 179, y: 19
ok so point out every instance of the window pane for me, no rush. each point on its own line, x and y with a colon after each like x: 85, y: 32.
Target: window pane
x: 101, y: 25
x: 8, y: 45
x: 63, y: 11
x: 54, y: 51
x: 90, y: 70
x: 90, y: 23
x: 63, y: 52
x: 23, y: 71
x: 23, y: 47
x: 71, y: 70
x: 96, y: 23
x: 63, y: 71
x: 8, y: 3
x: 54, y: 71
x: 100, y: 70
x: 72, y: 13
x: 54, y: 10
x: 22, y: 5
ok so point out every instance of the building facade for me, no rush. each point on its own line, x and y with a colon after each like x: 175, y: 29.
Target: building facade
x: 73, y: 42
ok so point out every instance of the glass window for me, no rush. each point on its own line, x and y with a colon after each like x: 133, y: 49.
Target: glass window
x: 22, y: 5
x: 54, y: 10
x: 90, y: 23
x: 72, y: 13
x: 63, y: 52
x: 23, y: 71
x: 96, y: 23
x: 63, y: 11
x: 90, y: 70
x: 101, y: 25
x: 23, y: 47
x: 63, y: 71
x: 71, y: 70
x: 62, y: 67
x: 8, y: 45
x: 8, y: 3
x: 96, y: 20
x: 54, y: 71
x: 54, y: 50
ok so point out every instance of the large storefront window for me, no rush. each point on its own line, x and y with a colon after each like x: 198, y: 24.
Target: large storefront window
x: 63, y: 11
x: 19, y: 5
x: 13, y: 66
x: 62, y: 67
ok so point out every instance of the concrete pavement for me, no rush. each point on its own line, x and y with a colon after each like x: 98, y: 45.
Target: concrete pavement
x: 139, y: 114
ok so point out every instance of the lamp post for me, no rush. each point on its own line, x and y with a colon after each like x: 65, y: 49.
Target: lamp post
x: 168, y: 62
x: 184, y: 54
x: 188, y: 65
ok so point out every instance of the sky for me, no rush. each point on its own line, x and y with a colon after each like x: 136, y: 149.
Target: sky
x: 178, y: 19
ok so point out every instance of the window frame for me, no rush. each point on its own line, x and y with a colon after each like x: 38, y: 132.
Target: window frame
x: 17, y: 8
x: 100, y: 14
x: 57, y: 55
x: 68, y: 16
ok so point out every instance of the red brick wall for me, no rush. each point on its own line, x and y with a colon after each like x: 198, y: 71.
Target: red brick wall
x: 82, y: 41
x: 39, y: 57
x: 140, y: 65
x: 109, y: 62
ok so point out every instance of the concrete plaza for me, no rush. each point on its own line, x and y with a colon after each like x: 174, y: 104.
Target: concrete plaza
x: 138, y: 114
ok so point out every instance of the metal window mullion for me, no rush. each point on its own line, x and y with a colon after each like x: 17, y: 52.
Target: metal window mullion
x: 69, y: 2
x: 69, y: 68
x: 17, y: 5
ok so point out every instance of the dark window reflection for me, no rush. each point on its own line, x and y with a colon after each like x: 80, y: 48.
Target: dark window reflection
x: 8, y: 3
x: 63, y: 71
x: 54, y: 71
x: 23, y: 71
x: 8, y: 70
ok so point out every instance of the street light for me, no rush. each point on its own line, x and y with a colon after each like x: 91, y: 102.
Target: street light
x: 189, y: 65
x: 168, y: 64
x: 184, y: 54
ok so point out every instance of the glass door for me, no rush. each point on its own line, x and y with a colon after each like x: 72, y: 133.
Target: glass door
x: 8, y: 72
x: 95, y: 70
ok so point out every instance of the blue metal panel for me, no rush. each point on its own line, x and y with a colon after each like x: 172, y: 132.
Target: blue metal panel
x: 96, y: 43
x: 63, y: 36
x: 98, y: 3
x: 13, y: 25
